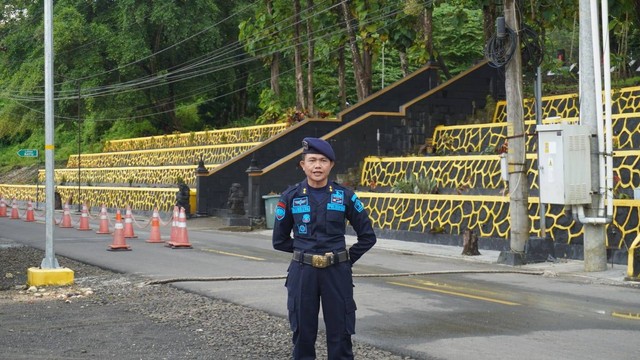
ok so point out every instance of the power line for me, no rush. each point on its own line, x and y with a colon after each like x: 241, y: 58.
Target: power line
x: 182, y: 74
x: 141, y: 82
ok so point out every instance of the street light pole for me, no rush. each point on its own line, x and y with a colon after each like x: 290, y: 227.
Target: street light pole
x: 49, y: 272
x: 49, y: 261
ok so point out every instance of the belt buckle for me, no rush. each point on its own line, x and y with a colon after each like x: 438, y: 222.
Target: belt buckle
x: 322, y: 261
x: 319, y: 261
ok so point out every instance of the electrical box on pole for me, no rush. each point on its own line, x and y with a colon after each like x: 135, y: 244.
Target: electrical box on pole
x: 564, y: 165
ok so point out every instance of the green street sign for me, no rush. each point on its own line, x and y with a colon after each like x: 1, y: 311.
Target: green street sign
x: 28, y: 153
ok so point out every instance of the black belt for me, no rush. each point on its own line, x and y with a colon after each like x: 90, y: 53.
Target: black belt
x: 320, y: 260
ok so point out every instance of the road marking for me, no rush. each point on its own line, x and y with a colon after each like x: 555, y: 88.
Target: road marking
x: 456, y: 293
x: 479, y: 292
x: 234, y: 254
x: 629, y: 316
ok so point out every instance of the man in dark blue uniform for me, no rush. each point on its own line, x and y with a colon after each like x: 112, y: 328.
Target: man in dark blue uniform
x: 320, y: 271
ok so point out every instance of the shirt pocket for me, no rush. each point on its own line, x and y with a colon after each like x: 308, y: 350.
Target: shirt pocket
x: 335, y: 222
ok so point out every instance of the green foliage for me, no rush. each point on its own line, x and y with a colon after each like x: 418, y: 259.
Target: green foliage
x: 402, y: 186
x: 272, y: 110
x: 188, y: 117
x: 91, y: 41
x: 390, y: 69
x: 138, y: 68
x: 413, y: 185
x: 425, y: 185
x: 123, y: 129
x: 458, y: 36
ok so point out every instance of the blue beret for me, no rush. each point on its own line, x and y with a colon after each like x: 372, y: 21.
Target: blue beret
x: 318, y: 146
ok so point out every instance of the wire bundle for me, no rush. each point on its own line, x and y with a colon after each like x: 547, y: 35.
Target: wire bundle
x: 500, y: 49
x: 532, y: 49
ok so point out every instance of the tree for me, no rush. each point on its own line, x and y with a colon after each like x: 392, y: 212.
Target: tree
x: 151, y: 31
x: 358, y: 67
x: 310, y: 59
x: 266, y: 36
x: 297, y: 49
x: 275, y: 60
x: 143, y: 67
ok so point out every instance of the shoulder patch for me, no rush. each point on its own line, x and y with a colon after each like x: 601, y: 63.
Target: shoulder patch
x: 281, y: 210
x: 358, y: 205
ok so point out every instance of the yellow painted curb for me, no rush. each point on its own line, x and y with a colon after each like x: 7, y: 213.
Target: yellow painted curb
x: 629, y: 316
x: 43, y: 277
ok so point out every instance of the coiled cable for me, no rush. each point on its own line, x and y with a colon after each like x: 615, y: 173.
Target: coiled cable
x: 500, y: 48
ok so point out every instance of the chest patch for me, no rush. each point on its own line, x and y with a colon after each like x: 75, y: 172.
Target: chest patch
x: 337, y: 197
x: 301, y: 205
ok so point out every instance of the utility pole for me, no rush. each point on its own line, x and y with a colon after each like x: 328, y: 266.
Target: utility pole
x: 49, y: 272
x: 50, y: 261
x: 79, y: 149
x: 595, y: 256
x: 518, y: 182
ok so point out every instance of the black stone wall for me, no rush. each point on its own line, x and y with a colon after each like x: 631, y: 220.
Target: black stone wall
x: 402, y: 117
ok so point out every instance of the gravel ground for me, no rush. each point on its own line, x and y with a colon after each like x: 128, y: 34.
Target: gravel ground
x: 109, y: 315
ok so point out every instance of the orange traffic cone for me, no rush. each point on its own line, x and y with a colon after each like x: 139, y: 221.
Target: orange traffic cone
x: 128, y: 224
x: 30, y: 217
x: 66, y: 217
x: 3, y: 207
x: 154, y: 235
x: 14, y: 210
x: 104, y: 221
x: 119, y: 242
x: 182, y: 241
x: 174, y: 224
x: 84, y: 219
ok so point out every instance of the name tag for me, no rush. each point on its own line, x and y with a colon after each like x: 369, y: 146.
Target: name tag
x: 301, y: 209
x: 335, y: 207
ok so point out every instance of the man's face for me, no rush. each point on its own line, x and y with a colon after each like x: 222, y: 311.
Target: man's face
x: 317, y: 168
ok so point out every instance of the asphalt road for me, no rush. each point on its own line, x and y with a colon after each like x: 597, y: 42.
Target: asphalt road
x: 445, y: 316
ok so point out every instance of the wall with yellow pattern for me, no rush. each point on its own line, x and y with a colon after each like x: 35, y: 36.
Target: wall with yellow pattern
x: 212, y: 154
x: 246, y: 134
x: 471, y: 185
x: 151, y: 164
x: 139, y: 199
x: 561, y: 106
x: 161, y: 175
x: 489, y: 137
x: 146, y: 160
x: 477, y: 171
x: 488, y: 216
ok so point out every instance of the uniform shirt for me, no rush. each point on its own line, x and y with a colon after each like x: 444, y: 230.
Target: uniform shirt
x: 319, y: 221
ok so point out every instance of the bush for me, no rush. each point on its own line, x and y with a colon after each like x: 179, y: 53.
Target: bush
x: 402, y: 186
x: 413, y: 185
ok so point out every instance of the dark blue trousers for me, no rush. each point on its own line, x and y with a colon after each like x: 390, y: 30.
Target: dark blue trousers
x: 307, y: 288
